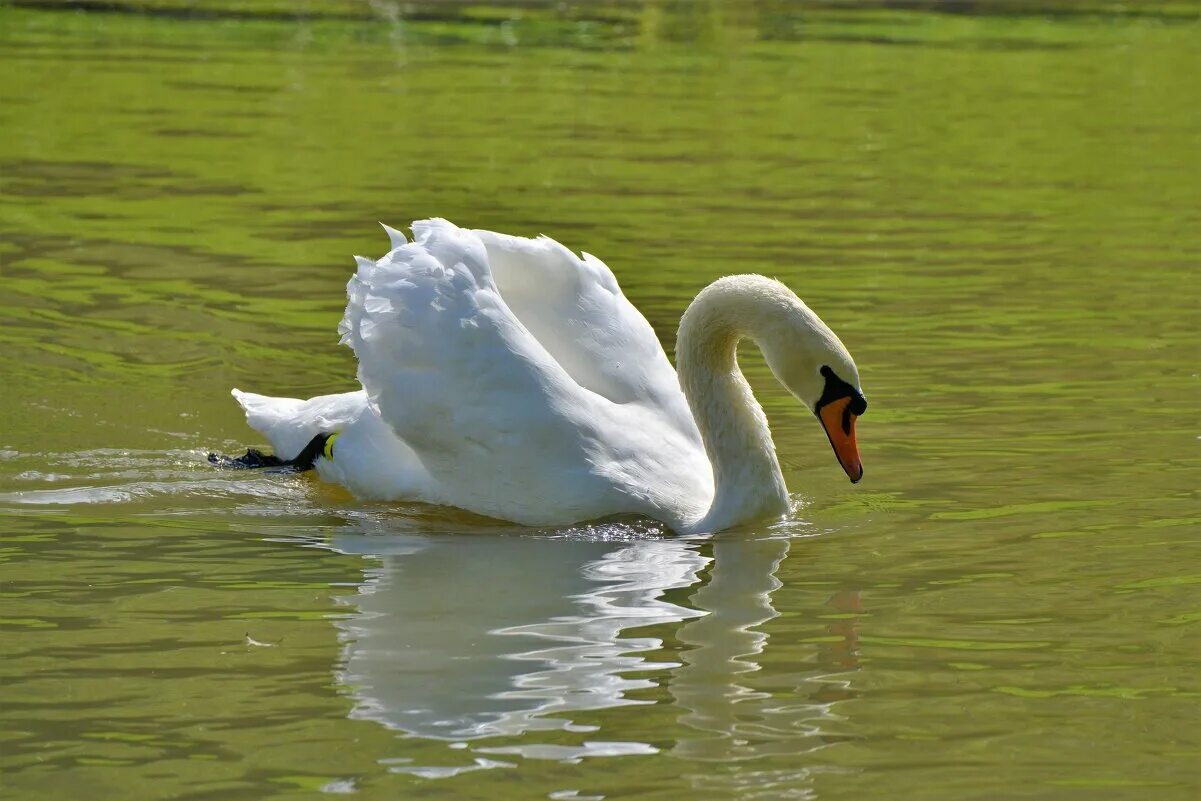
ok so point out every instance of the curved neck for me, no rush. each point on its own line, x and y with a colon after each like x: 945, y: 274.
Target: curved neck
x: 747, y: 481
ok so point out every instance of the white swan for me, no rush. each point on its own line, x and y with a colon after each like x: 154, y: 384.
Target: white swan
x: 511, y: 378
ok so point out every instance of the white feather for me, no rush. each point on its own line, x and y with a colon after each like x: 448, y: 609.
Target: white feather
x: 396, y: 238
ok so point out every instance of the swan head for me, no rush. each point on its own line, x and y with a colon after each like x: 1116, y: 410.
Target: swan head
x: 809, y: 359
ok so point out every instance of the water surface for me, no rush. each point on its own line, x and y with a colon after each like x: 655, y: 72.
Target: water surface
x: 998, y: 210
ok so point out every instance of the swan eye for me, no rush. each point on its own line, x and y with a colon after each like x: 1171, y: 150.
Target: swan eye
x: 837, y: 389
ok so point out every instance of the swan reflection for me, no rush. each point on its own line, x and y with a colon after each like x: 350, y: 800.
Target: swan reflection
x: 731, y: 719
x: 465, y: 637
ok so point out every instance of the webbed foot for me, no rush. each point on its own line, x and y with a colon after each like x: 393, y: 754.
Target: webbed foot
x: 254, y: 458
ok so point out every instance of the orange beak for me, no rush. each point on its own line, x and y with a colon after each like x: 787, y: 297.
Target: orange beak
x: 839, y: 423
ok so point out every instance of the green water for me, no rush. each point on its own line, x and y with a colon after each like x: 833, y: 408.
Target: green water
x: 999, y: 212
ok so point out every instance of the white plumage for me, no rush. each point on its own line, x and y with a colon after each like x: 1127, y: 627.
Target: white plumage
x: 511, y: 378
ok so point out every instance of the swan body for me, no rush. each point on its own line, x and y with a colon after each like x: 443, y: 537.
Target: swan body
x: 511, y: 378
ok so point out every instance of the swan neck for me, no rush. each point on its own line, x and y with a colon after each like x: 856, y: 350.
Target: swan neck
x: 747, y: 480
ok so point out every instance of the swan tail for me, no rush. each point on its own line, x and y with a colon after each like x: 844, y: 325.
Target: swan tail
x: 291, y: 424
x: 277, y: 419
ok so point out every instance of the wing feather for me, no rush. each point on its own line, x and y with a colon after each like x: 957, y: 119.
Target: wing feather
x: 456, y: 375
x: 575, y: 308
x: 526, y: 384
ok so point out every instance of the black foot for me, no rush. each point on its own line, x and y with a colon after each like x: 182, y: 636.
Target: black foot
x: 305, y: 459
x: 255, y: 458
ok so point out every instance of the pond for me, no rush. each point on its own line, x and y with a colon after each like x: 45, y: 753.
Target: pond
x: 997, y: 209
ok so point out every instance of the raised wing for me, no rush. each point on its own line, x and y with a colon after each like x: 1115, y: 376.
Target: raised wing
x: 575, y: 309
x: 493, y: 417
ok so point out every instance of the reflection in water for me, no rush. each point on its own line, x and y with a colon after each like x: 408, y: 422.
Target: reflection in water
x: 726, y: 642
x: 735, y: 721
x: 465, y: 637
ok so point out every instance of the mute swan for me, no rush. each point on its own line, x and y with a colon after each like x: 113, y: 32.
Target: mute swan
x: 511, y: 378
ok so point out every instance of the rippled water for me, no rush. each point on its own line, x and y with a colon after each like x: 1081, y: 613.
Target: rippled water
x: 999, y: 211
